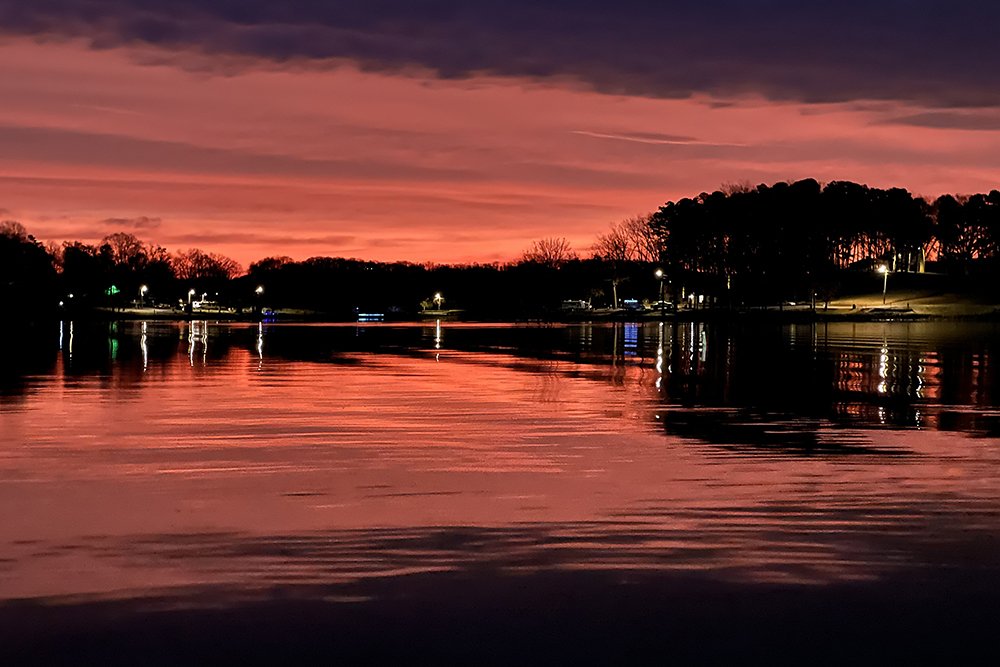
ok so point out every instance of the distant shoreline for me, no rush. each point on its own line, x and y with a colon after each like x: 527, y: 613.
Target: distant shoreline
x: 858, y: 312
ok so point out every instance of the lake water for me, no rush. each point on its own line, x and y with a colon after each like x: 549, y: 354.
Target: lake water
x: 400, y: 480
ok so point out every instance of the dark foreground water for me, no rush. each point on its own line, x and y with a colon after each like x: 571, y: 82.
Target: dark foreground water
x: 203, y: 492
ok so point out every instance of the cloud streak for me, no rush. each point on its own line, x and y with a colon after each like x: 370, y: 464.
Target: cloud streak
x: 142, y: 222
x: 242, y: 237
x: 652, y: 138
x: 949, y: 120
x: 89, y: 149
x: 922, y: 51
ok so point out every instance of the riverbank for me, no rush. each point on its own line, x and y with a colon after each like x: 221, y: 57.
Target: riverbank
x: 911, y: 305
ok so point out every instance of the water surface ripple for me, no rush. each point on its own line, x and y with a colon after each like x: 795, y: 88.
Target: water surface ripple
x: 144, y: 459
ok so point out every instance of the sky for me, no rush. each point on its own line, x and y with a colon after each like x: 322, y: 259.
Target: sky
x: 462, y: 130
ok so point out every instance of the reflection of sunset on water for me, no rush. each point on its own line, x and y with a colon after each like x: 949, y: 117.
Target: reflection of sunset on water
x: 178, y: 455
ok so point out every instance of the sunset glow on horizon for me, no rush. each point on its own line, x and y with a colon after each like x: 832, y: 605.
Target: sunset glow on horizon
x: 252, y: 149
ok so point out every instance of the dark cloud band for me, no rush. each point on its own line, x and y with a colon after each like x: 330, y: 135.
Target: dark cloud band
x: 929, y: 52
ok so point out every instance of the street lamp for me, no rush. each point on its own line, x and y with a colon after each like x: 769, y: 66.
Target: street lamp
x: 884, y: 270
x: 190, y: 295
x: 258, y: 292
x: 142, y: 294
x: 438, y: 299
x: 659, y: 276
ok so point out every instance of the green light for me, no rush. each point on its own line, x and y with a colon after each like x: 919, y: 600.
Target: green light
x: 112, y: 290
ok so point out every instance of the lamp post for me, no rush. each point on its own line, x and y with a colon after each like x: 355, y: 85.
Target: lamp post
x: 142, y: 295
x: 659, y: 276
x: 884, y: 270
x: 258, y: 292
x: 190, y: 295
x: 437, y: 300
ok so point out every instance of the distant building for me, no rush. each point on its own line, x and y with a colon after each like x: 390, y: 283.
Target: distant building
x: 571, y: 305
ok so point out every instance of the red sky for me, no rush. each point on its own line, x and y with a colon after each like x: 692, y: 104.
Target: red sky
x: 405, y: 165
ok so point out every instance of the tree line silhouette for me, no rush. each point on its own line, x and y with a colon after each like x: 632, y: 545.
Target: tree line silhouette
x: 738, y: 246
x: 763, y: 244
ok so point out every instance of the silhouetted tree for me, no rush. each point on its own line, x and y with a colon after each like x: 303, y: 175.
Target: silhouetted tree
x: 27, y: 274
x: 196, y: 264
x: 791, y: 240
x: 629, y: 240
x: 86, y: 274
x: 552, y: 252
x: 268, y: 265
x: 126, y: 251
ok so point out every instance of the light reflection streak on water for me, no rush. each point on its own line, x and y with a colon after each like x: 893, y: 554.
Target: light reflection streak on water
x: 113, y: 341
x: 260, y: 343
x: 631, y: 339
x: 883, y: 369
x: 371, y: 464
x: 198, y: 335
x: 144, y: 349
x: 659, y: 355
